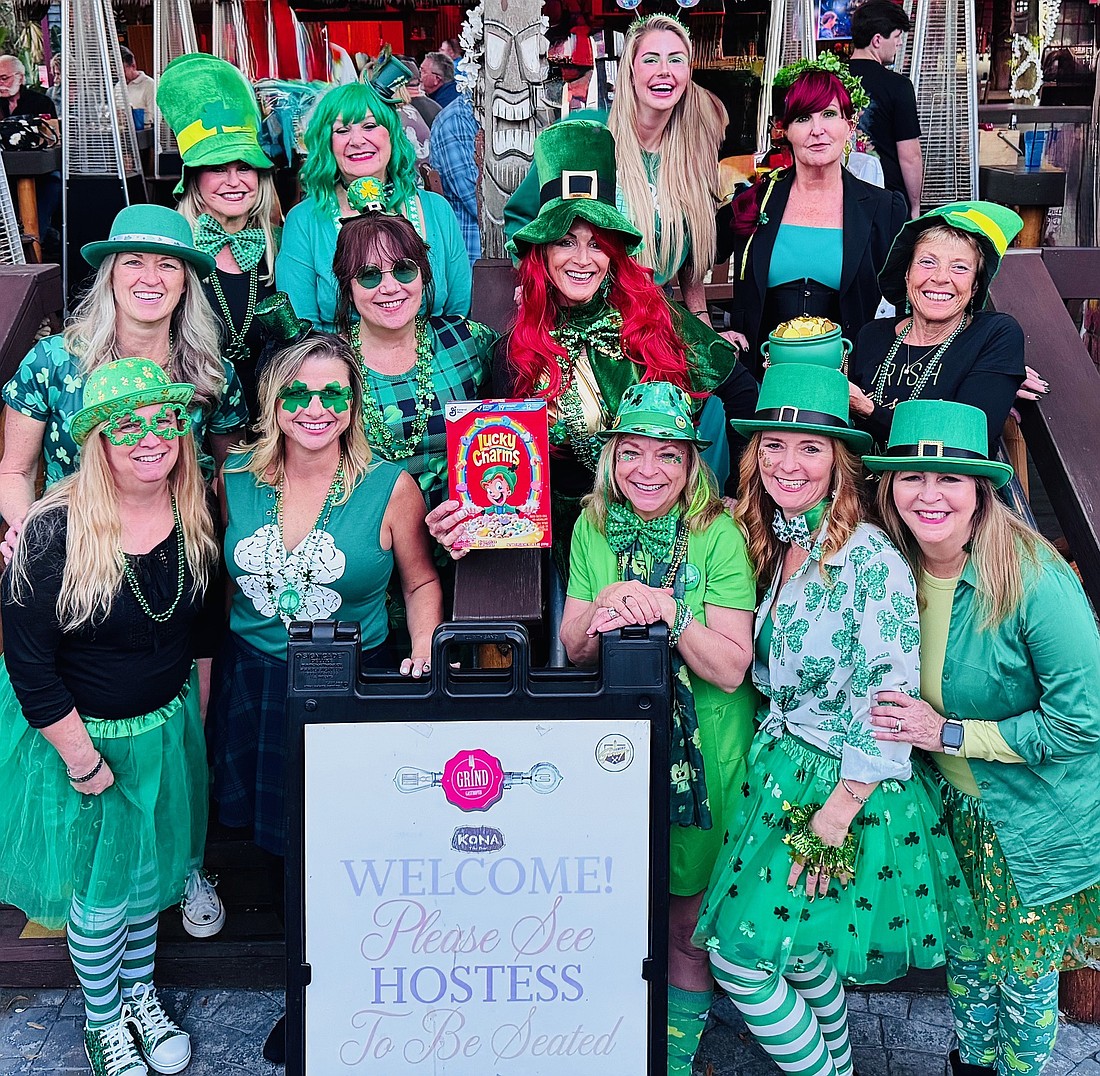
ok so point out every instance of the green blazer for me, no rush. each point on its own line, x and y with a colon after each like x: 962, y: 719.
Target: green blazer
x: 1038, y: 675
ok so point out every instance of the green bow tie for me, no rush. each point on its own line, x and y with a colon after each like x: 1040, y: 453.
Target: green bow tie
x: 599, y: 328
x: 625, y: 528
x: 800, y: 529
x: 248, y: 245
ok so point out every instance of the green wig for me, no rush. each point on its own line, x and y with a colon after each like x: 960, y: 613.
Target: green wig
x: 351, y: 104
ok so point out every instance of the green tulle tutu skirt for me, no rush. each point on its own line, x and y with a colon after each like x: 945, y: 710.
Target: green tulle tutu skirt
x: 907, y: 899
x: 134, y: 844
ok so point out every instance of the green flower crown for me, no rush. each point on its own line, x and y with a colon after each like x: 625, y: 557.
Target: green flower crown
x: 640, y: 22
x: 831, y: 64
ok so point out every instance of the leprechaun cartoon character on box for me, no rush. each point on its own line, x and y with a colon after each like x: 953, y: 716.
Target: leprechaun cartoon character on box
x: 499, y: 484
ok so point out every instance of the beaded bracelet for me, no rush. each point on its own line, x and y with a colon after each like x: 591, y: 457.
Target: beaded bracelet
x: 88, y: 776
x: 807, y: 847
x: 684, y: 616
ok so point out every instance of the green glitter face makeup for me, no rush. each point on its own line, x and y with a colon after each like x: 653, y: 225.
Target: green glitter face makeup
x: 334, y: 396
x: 129, y: 428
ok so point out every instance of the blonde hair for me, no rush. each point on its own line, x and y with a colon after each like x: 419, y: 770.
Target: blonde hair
x: 756, y: 510
x: 698, y: 502
x: 265, y: 213
x: 91, y: 335
x: 267, y: 455
x: 1000, y: 543
x: 687, y: 180
x: 93, y: 572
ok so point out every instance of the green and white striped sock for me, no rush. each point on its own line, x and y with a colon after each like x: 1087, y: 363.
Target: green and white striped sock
x: 97, y: 940
x: 139, y: 954
x: 816, y: 980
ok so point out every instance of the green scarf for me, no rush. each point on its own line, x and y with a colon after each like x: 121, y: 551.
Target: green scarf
x: 248, y: 245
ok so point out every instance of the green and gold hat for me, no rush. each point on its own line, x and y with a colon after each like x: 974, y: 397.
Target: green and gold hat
x: 993, y: 226
x: 124, y: 385
x: 575, y: 164
x: 149, y: 229
x: 940, y: 436
x: 800, y: 396
x: 655, y: 409
x: 212, y: 110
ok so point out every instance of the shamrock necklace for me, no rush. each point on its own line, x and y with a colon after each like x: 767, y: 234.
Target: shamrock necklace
x: 235, y: 351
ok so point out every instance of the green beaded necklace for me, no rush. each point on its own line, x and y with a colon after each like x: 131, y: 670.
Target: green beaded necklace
x: 235, y: 350
x: 181, y: 561
x: 378, y: 432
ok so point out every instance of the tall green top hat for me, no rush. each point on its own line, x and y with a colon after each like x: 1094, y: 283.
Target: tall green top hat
x: 575, y: 163
x: 993, y: 226
x: 149, y: 229
x: 940, y: 436
x: 655, y: 409
x: 212, y: 111
x: 798, y: 396
x: 124, y: 385
x: 387, y: 74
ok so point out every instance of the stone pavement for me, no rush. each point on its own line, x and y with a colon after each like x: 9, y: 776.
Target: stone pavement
x: 893, y: 1034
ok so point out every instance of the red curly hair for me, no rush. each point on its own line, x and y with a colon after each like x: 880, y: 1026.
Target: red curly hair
x: 650, y: 336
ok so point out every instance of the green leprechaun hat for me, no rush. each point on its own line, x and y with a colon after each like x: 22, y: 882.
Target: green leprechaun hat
x: 500, y: 471
x: 212, y: 111
x: 993, y: 226
x: 279, y: 322
x: 387, y: 74
x: 575, y: 164
x: 940, y: 436
x: 655, y: 409
x: 149, y: 229
x: 124, y: 385
x: 799, y: 396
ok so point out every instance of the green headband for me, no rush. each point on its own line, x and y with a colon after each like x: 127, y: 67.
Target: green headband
x: 830, y: 63
x: 641, y: 23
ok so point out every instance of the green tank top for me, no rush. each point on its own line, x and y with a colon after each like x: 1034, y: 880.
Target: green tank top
x: 338, y: 571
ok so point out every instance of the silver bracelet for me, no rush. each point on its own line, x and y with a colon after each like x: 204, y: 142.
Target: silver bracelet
x: 851, y: 792
x: 88, y: 776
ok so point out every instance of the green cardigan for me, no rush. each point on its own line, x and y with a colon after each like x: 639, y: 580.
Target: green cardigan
x: 1037, y: 674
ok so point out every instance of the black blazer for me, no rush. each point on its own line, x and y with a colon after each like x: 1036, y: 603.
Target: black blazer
x: 872, y: 218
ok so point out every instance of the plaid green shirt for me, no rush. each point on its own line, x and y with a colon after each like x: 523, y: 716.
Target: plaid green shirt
x: 462, y: 356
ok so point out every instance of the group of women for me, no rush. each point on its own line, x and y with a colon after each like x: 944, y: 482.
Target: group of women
x: 303, y: 432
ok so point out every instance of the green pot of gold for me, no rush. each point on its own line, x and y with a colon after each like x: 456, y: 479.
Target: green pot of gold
x: 813, y: 340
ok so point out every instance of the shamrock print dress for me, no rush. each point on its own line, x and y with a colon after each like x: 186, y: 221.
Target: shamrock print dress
x: 824, y: 646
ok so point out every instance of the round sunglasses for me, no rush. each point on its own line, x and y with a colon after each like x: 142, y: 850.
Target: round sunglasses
x: 404, y: 271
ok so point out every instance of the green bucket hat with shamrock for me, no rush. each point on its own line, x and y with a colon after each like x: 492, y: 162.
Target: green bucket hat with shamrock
x: 575, y: 164
x: 212, y: 110
x: 798, y: 396
x: 149, y: 229
x: 993, y: 226
x: 655, y: 409
x: 124, y: 385
x: 940, y: 436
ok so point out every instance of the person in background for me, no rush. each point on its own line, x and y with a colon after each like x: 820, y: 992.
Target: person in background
x: 141, y: 90
x: 451, y: 49
x: 18, y: 99
x: 418, y: 99
x: 53, y: 91
x: 453, y: 158
x: 890, y: 121
x: 437, y: 77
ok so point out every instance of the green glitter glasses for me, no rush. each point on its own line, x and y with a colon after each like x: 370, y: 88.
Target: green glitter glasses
x: 333, y: 396
x: 129, y: 428
x: 404, y: 271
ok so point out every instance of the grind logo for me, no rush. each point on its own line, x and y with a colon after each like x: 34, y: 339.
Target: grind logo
x: 473, y: 780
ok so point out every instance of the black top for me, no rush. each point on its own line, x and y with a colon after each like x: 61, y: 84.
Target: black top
x: 983, y: 367
x: 124, y: 666
x: 890, y: 118
x: 872, y: 218
x: 31, y: 103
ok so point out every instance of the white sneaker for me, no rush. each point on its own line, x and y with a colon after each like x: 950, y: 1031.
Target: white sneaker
x: 165, y: 1046
x: 111, y: 1050
x: 203, y: 911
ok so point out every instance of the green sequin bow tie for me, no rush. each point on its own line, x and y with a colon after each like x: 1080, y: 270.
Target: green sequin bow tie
x: 655, y: 536
x: 248, y: 245
x: 602, y: 333
x: 800, y: 530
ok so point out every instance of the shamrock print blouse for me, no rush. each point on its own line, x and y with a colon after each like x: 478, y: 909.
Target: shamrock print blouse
x: 834, y: 647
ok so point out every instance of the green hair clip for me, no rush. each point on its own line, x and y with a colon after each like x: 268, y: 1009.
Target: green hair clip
x: 333, y: 396
x: 831, y: 64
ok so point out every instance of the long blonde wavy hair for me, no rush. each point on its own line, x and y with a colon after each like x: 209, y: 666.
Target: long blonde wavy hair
x: 1001, y: 546
x: 266, y: 457
x: 756, y: 510
x: 93, y: 573
x: 265, y: 213
x: 91, y: 335
x: 687, y: 180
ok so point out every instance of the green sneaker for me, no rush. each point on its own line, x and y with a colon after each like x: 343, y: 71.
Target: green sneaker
x: 111, y: 1050
x: 165, y: 1046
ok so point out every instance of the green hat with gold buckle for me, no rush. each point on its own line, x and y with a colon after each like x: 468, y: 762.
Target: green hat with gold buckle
x: 940, y: 436
x: 212, y: 110
x: 124, y: 385
x: 575, y: 164
x: 655, y: 409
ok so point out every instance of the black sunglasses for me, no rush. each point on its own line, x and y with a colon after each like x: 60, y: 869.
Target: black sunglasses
x: 404, y: 271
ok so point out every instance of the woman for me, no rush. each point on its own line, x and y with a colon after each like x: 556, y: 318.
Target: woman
x: 412, y: 364
x: 827, y: 811
x: 314, y: 527
x: 810, y: 239
x: 103, y: 779
x: 227, y: 196
x: 145, y: 299
x: 945, y: 346
x: 667, y: 131
x: 356, y: 133
x: 1009, y: 708
x: 656, y: 544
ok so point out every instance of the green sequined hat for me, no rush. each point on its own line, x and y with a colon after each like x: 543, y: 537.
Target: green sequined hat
x: 124, y: 385
x: 940, y: 436
x: 575, y: 164
x: 655, y: 409
x: 212, y: 110
x: 279, y: 321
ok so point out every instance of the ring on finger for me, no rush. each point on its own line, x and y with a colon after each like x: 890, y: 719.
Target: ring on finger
x: 897, y: 725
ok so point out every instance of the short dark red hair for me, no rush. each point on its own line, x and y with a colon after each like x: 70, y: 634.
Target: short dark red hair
x: 811, y: 92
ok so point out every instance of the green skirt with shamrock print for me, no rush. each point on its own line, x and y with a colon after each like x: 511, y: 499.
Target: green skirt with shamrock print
x: 906, y: 900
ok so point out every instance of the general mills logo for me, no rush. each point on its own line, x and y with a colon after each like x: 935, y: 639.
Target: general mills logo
x: 477, y: 839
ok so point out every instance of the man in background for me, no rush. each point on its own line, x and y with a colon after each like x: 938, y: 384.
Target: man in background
x: 437, y: 77
x: 890, y: 121
x: 16, y: 99
x: 451, y: 48
x: 453, y: 136
x: 141, y: 90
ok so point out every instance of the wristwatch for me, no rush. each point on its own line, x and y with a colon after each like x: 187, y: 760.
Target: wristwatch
x: 951, y: 737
